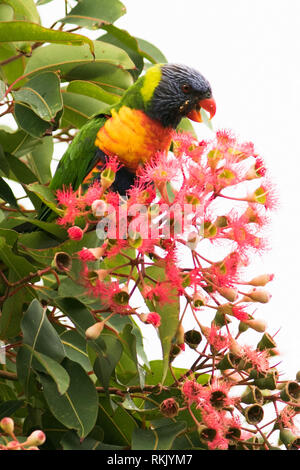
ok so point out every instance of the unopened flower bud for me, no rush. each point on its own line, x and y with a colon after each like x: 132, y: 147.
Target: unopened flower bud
x: 261, y: 280
x: 75, y: 233
x: 257, y: 295
x: 36, y: 438
x: 228, y: 293
x: 234, y: 347
x: 94, y: 331
x: 7, y: 424
x: 169, y: 408
x: 256, y: 324
x: 99, y: 207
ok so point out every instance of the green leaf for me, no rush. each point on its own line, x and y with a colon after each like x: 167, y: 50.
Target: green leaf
x: 93, y: 13
x: 169, y: 314
x: 28, y: 359
x: 43, y: 2
x: 118, y: 426
x: 2, y: 90
x: 77, y: 63
x: 42, y: 94
x: 77, y: 408
x: 151, y: 52
x: 59, y: 232
x: 6, y: 13
x: 77, y: 312
x: 42, y: 349
x: 20, y: 171
x: 6, y: 391
x: 185, y: 125
x: 18, y: 143
x: 31, y: 122
x: 71, y: 441
x: 121, y: 38
x: 46, y: 195
x: 205, y: 119
x: 24, y: 10
x: 153, y: 376
x: 6, y: 193
x: 93, y: 91
x: 39, y: 160
x: 75, y: 347
x: 9, y: 407
x: 40, y: 334
x: 25, y: 31
x: 14, y: 69
x: 13, y: 307
x: 160, y: 438
x: 79, y: 108
x: 107, y: 359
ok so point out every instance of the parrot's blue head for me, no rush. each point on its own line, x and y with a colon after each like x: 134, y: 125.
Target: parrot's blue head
x: 180, y: 92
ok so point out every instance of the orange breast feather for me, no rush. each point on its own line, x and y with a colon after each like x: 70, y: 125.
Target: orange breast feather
x: 133, y: 137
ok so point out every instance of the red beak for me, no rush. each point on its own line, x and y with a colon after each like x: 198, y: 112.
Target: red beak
x: 208, y: 104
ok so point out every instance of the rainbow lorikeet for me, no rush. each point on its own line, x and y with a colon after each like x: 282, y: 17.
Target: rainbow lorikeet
x: 135, y: 128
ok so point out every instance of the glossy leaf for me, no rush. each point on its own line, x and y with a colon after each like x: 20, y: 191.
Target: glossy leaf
x: 107, y: 358
x: 24, y: 10
x: 118, y: 426
x: 6, y: 193
x: 6, y: 12
x: 2, y: 90
x: 29, y: 360
x: 169, y: 318
x: 46, y: 195
x: 31, y: 122
x: 14, y: 69
x: 42, y: 94
x: 71, y: 441
x: 40, y: 334
x: 75, y: 347
x: 151, y: 52
x: 18, y: 143
x: 77, y: 312
x: 77, y: 408
x: 93, y: 13
x: 79, y: 108
x: 74, y: 62
x: 39, y: 160
x: 93, y: 91
x: 121, y: 38
x: 25, y: 31
x: 9, y: 407
x: 160, y: 438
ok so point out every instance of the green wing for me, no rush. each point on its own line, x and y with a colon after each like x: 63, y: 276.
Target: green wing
x: 78, y: 160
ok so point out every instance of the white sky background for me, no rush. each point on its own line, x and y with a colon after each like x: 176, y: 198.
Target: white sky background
x: 249, y: 50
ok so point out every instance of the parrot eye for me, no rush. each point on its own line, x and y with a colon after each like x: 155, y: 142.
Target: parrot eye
x: 186, y: 88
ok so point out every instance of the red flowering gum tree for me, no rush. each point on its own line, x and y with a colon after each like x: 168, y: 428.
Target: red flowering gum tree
x: 80, y: 294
